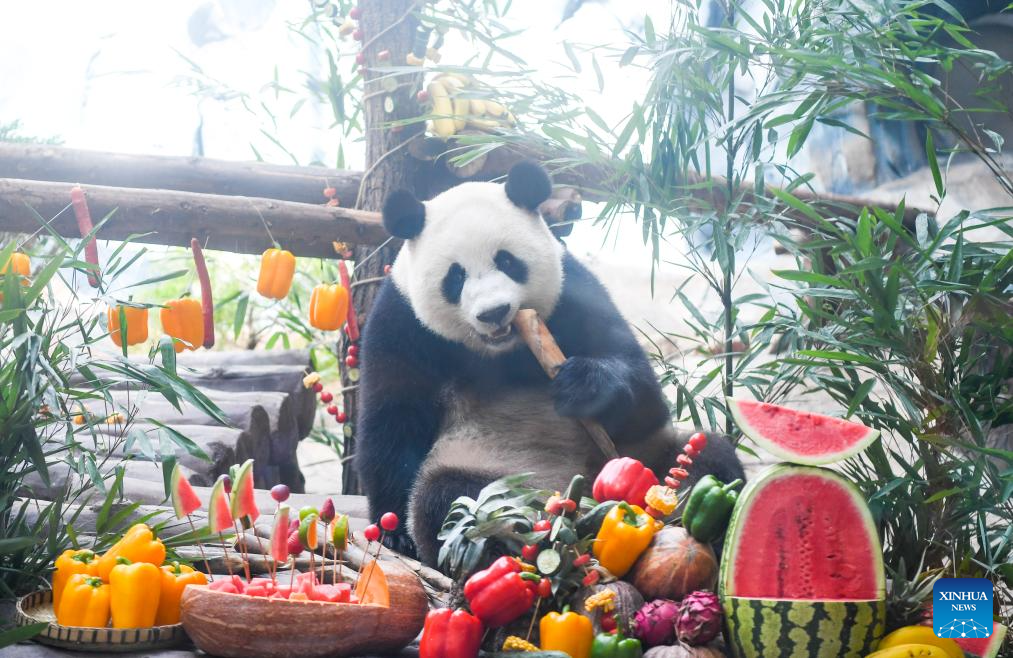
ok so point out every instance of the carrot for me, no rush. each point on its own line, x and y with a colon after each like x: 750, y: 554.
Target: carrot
x: 206, y: 301
x: 352, y: 322
x: 85, y: 226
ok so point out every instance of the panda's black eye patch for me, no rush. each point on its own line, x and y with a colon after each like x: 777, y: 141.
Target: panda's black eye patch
x: 453, y: 283
x: 512, y: 266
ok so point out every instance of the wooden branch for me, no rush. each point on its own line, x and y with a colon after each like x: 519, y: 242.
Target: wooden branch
x: 186, y: 174
x: 541, y: 343
x: 173, y: 218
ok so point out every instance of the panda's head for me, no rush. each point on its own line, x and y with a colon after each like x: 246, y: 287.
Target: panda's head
x: 476, y: 254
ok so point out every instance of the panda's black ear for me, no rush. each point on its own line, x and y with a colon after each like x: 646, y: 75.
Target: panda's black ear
x: 403, y: 214
x: 527, y: 185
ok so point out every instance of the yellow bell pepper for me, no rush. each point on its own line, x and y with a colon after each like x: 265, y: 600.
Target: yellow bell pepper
x: 625, y: 534
x: 328, y: 306
x: 569, y: 632
x: 137, y: 324
x: 85, y: 602
x: 137, y: 545
x: 69, y: 563
x: 134, y: 590
x: 175, y: 577
x: 184, y: 319
x: 277, y: 267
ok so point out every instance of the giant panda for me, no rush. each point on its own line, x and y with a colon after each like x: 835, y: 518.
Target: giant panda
x: 452, y: 399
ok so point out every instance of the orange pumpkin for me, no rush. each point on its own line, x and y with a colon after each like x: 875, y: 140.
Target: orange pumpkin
x: 277, y: 267
x: 328, y: 306
x: 137, y: 324
x: 183, y: 319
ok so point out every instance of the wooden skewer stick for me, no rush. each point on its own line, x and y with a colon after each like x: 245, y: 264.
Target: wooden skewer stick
x: 541, y: 343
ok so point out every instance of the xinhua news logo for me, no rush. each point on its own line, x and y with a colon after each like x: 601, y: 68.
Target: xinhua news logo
x: 962, y: 607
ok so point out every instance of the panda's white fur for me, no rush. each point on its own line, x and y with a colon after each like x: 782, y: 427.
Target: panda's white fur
x: 468, y: 225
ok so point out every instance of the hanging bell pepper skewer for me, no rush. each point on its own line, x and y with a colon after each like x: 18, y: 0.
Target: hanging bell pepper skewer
x: 206, y: 300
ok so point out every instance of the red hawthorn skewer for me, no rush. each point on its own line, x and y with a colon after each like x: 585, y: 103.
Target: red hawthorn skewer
x: 85, y: 226
x: 352, y: 322
x: 206, y: 300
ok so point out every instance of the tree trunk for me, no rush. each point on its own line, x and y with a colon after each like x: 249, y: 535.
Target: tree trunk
x: 386, y: 25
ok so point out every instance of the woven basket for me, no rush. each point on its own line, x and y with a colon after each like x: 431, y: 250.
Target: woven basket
x: 38, y: 606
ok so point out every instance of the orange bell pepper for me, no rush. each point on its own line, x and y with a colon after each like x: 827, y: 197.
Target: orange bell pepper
x: 19, y: 263
x: 175, y: 578
x: 70, y: 563
x: 570, y: 632
x: 85, y: 602
x: 183, y: 319
x: 137, y: 324
x: 137, y: 545
x: 134, y: 590
x: 328, y: 306
x: 277, y: 267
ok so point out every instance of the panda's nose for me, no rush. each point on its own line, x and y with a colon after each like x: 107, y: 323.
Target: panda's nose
x: 494, y: 316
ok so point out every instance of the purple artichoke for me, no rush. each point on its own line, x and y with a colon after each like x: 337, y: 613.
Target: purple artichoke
x: 699, y: 618
x: 654, y: 623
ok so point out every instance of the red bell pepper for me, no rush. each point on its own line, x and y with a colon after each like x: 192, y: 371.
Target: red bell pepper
x: 624, y: 478
x: 501, y: 593
x: 450, y: 634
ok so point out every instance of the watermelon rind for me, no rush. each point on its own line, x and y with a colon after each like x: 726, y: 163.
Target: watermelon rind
x: 783, y: 628
x: 279, y: 534
x: 983, y: 647
x: 781, y: 451
x: 734, y: 538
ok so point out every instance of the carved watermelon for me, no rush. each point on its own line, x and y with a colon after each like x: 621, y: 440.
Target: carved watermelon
x: 279, y: 535
x: 802, y: 572
x: 986, y: 647
x: 184, y: 498
x: 244, y: 503
x: 219, y: 513
x: 800, y: 437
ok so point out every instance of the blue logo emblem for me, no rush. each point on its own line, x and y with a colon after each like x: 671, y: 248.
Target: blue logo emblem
x: 962, y: 607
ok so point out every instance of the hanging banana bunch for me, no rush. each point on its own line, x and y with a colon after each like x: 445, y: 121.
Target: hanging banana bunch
x: 453, y: 111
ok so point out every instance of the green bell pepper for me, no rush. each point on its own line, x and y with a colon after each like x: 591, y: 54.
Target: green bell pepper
x: 709, y: 508
x: 614, y: 645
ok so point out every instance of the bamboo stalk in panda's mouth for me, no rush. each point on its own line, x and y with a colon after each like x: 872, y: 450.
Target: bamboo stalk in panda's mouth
x: 543, y: 346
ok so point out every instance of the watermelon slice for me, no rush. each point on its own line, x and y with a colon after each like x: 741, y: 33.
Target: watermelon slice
x: 184, y: 498
x: 800, y: 437
x: 985, y: 647
x: 279, y: 535
x: 802, y: 533
x: 219, y: 514
x: 243, y: 501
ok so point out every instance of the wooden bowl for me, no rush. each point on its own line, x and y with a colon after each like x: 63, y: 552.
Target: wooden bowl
x: 38, y: 607
x: 240, y: 626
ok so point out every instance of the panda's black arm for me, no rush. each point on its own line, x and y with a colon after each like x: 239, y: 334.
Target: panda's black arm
x: 607, y: 375
x: 399, y: 410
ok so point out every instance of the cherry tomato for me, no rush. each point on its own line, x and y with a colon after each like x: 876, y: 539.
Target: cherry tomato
x: 543, y: 525
x: 389, y: 521
x: 529, y: 553
x: 372, y: 532
x: 545, y: 588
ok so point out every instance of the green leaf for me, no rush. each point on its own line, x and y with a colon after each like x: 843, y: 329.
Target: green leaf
x: 240, y: 317
x: 939, y: 495
x: 568, y: 49
x: 649, y: 36
x: 15, y: 544
x: 814, y: 278
x: 21, y: 633
x: 930, y: 154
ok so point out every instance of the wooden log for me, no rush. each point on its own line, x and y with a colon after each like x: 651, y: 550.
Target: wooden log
x: 541, y: 343
x: 45, y: 162
x: 230, y: 223
x: 236, y: 358
x: 224, y: 445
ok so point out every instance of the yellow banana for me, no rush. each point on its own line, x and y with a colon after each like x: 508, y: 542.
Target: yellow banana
x: 483, y: 124
x: 495, y: 109
x: 910, y: 651
x: 461, y: 106
x: 921, y: 635
x: 477, y: 107
x: 443, y: 123
x: 453, y: 85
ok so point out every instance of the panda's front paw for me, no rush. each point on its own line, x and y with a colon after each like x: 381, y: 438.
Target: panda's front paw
x: 586, y: 388
x: 400, y: 541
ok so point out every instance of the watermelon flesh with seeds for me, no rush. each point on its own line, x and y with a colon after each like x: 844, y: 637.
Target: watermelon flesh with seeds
x: 244, y: 503
x: 802, y: 570
x: 184, y: 498
x: 219, y: 513
x: 800, y: 437
x: 984, y: 647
